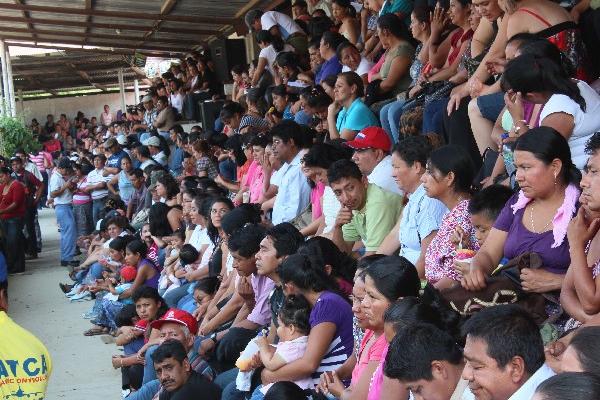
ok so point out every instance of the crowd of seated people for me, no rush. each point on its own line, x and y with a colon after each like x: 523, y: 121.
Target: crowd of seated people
x: 398, y: 200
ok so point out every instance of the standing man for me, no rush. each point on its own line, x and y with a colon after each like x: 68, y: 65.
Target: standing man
x: 61, y: 190
x: 106, y: 118
x: 97, y: 186
x: 293, y: 193
x: 41, y: 200
x: 26, y: 364
x: 33, y: 193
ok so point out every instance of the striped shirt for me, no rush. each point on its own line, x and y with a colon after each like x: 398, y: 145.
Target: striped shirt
x: 38, y: 159
x: 332, y: 308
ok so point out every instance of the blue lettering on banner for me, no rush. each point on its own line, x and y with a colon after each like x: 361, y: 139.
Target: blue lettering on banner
x: 31, y: 366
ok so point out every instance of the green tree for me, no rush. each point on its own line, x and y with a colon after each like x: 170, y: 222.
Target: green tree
x: 14, y: 134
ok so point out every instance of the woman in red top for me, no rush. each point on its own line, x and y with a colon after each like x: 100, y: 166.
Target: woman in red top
x: 12, y: 213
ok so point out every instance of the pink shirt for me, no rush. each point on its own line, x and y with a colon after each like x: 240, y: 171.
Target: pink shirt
x: 254, y: 181
x: 377, y: 380
x: 316, y: 194
x: 373, y: 353
x: 262, y: 287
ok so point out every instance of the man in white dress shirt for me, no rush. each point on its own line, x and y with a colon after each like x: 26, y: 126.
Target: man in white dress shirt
x: 372, y: 155
x: 504, y: 354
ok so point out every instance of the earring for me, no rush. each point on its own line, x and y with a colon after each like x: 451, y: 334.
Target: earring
x: 555, y: 179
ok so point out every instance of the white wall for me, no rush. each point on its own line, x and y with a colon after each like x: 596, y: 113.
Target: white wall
x: 90, y: 105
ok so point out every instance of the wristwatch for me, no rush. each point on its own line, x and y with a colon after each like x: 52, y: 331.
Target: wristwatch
x: 213, y: 337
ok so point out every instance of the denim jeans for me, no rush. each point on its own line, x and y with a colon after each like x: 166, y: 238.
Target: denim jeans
x: 83, y: 218
x: 98, y: 206
x: 14, y: 243
x: 146, y: 392
x: 390, y: 119
x: 31, y: 242
x: 173, y: 297
x: 433, y: 116
x: 68, y: 231
x: 149, y: 372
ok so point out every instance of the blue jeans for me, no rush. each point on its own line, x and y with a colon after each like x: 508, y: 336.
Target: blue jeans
x: 173, y: 297
x: 149, y: 372
x: 257, y: 394
x: 490, y: 105
x: 390, y: 119
x: 146, y: 392
x: 433, y: 116
x: 68, y: 231
x: 97, y: 207
x: 14, y: 243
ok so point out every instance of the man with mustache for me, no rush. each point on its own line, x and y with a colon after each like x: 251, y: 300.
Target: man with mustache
x: 177, y: 378
x: 368, y: 212
x: 504, y: 354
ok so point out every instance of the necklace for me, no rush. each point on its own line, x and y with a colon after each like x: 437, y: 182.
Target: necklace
x: 533, y: 224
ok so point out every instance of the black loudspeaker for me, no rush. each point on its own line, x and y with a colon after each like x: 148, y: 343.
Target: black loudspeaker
x: 209, y: 112
x: 227, y: 53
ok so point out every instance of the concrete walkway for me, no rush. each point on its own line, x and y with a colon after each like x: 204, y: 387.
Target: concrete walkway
x: 81, y: 365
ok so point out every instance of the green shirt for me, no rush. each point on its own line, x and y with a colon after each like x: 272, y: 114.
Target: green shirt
x: 375, y: 220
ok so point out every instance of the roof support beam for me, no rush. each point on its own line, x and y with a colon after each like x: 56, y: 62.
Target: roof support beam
x: 25, y: 15
x: 168, y: 50
x: 85, y: 76
x: 89, y: 5
x: 122, y: 27
x: 9, y: 30
x: 29, y: 43
x: 116, y: 14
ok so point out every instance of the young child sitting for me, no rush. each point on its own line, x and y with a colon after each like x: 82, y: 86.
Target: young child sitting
x: 173, y: 248
x: 293, y: 328
x: 204, y: 292
x: 484, y: 208
x: 174, y: 276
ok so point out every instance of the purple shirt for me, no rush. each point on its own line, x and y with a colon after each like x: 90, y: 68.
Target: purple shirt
x: 520, y: 240
x: 332, y: 308
x: 262, y: 287
x: 329, y: 67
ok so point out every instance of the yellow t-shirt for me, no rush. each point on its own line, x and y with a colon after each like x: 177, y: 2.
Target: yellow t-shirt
x: 25, y: 364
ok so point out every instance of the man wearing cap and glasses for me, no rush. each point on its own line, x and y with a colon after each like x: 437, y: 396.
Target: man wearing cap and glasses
x: 372, y: 147
x: 147, y: 125
x: 61, y: 190
x: 113, y: 163
x: 153, y: 143
x: 176, y: 325
x: 25, y: 363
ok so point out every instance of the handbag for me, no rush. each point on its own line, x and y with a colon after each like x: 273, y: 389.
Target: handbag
x: 503, y: 287
x: 303, y: 219
x: 140, y: 219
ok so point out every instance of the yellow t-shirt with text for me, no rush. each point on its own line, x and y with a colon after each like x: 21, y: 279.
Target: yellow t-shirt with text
x: 25, y: 364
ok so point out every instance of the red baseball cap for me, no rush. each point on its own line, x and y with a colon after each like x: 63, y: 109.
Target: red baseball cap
x: 128, y: 273
x: 141, y: 325
x: 179, y: 317
x: 372, y: 137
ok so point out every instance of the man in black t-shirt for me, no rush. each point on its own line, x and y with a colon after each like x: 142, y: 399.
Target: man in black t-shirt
x: 176, y: 376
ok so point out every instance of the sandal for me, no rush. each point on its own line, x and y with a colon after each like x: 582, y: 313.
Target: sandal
x: 96, y: 331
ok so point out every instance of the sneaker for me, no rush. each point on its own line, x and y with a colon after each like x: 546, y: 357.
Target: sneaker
x: 65, y: 288
x: 85, y: 295
x: 89, y: 315
x: 125, y: 393
x: 73, y: 291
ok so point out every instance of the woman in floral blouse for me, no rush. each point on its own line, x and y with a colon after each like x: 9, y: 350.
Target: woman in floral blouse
x: 448, y: 178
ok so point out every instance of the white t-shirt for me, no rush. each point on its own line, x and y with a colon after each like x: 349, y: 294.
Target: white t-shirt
x: 331, y: 207
x: 382, y: 176
x: 177, y: 101
x: 56, y: 182
x: 161, y: 158
x: 363, y: 68
x: 269, y: 53
x: 95, y: 177
x: 586, y: 123
x: 199, y: 237
x: 286, y: 25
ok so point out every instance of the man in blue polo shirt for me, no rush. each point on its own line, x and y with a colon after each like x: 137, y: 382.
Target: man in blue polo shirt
x: 332, y: 66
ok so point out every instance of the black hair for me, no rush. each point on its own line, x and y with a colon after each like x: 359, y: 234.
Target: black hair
x: 260, y: 140
x: 143, y: 151
x: 295, y: 311
x: 533, y: 44
x: 454, y: 158
x: 138, y: 246
x: 230, y: 109
x: 415, y: 347
x: 342, y: 264
x: 330, y: 80
x: 147, y: 292
x: 170, y: 348
x: 234, y: 144
x: 490, y: 201
x: 289, y: 130
x: 319, y: 25
x: 529, y: 73
x: 586, y: 343
x: 208, y: 285
x: 570, y: 386
x: 159, y: 223
x: 394, y: 277
x: 332, y: 39
x: 138, y: 173
x: 287, y: 59
x: 264, y: 36
x: 235, y: 219
x: 169, y: 183
x: 286, y: 239
x: 280, y: 90
x: 343, y: 46
x: 546, y: 144
x: 413, y: 149
x: 317, y: 98
x: 239, y: 69
x: 188, y: 254
x: 593, y: 144
x: 119, y: 243
x: 285, y: 390
x: 366, y: 261
x: 353, y: 79
x: 126, y: 315
x: 305, y: 273
x: 246, y: 241
x: 508, y: 331
x: 102, y: 157
x: 323, y: 155
x: 422, y: 13
x: 213, y: 232
x: 394, y: 25
x: 343, y: 169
